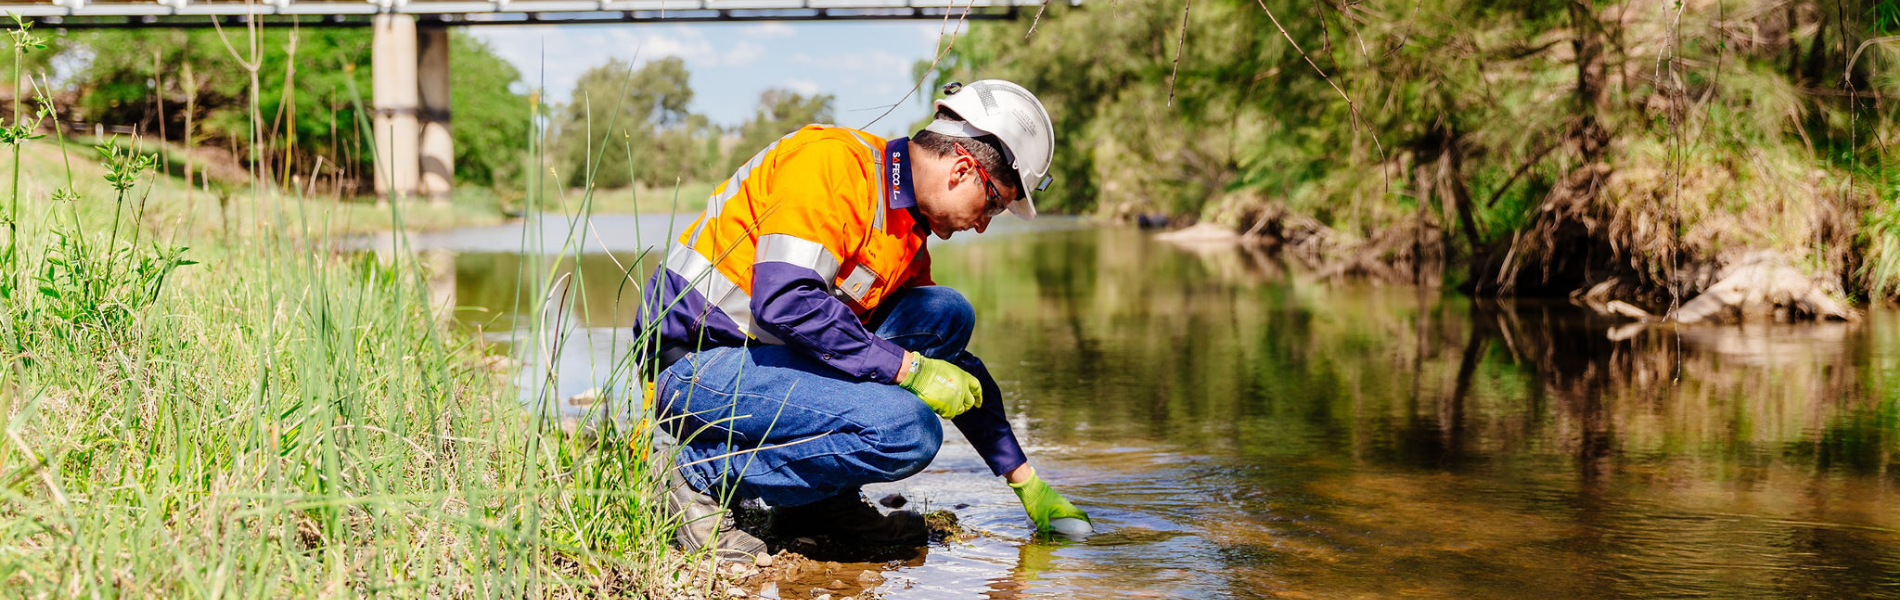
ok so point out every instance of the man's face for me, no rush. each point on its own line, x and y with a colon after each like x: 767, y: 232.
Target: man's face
x: 961, y: 201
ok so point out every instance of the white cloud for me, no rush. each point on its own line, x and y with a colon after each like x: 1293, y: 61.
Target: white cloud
x: 689, y: 46
x: 802, y: 86
x: 769, y: 29
x: 571, y: 51
x: 741, y: 54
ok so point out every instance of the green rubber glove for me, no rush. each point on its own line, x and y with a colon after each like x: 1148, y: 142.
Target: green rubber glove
x: 947, y: 389
x: 1043, y: 503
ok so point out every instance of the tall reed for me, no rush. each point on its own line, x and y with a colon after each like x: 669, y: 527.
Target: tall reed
x: 268, y: 416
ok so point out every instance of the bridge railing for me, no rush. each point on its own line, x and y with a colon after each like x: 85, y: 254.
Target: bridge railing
x: 193, y: 13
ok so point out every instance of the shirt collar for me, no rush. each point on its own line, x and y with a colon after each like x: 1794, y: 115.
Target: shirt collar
x: 897, y: 173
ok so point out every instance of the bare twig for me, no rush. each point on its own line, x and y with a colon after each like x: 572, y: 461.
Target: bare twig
x: 1178, y: 48
x: 1407, y: 35
x: 1032, y: 24
x: 1325, y: 36
x: 1358, y: 123
x: 942, y: 51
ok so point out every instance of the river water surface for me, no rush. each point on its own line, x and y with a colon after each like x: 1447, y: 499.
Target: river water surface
x: 1238, y: 429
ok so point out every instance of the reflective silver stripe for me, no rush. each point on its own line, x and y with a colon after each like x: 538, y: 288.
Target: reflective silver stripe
x: 858, y: 284
x: 875, y: 151
x: 717, y: 203
x: 883, y: 203
x: 793, y: 250
x: 878, y: 203
x: 718, y: 290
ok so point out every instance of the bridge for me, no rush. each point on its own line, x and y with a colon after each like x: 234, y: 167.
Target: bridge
x: 410, y: 54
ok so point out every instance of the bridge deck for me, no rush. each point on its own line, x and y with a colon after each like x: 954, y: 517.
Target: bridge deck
x: 319, y: 13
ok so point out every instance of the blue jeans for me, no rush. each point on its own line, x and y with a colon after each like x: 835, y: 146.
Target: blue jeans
x: 789, y: 430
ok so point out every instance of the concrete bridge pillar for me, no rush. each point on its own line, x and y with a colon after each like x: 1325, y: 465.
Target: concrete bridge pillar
x: 438, y: 149
x: 410, y: 70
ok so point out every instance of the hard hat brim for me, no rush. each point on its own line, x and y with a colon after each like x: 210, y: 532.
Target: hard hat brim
x: 1024, y: 208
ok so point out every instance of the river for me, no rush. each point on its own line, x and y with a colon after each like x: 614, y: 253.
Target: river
x: 1238, y: 429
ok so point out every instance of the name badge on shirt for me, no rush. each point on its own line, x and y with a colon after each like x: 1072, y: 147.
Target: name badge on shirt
x: 858, y: 283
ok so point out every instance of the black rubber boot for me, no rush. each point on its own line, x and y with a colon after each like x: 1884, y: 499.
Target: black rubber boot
x: 704, y: 522
x: 848, y: 516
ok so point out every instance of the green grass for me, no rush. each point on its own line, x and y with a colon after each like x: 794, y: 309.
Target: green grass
x: 203, y: 398
x: 1880, y: 267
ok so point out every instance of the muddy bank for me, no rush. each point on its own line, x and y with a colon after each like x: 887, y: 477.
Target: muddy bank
x: 806, y: 568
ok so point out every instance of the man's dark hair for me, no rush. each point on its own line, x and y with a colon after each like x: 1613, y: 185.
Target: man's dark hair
x: 987, y: 149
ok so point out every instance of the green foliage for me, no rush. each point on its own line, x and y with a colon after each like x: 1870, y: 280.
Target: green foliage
x: 780, y: 112
x: 81, y: 279
x: 304, y: 109
x: 19, y: 132
x: 1884, y: 17
x: 123, y: 166
x: 618, y: 118
x: 1104, y: 74
x: 1458, y: 115
x: 83, y: 289
x: 644, y: 135
x: 1880, y: 235
x: 287, y: 421
x: 304, y: 94
x: 491, y: 121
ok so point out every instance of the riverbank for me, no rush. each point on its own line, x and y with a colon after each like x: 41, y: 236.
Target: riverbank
x: 202, y: 373
x: 1787, y: 261
x: 1633, y: 150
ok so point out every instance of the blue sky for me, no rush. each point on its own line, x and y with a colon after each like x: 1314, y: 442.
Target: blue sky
x: 865, y: 64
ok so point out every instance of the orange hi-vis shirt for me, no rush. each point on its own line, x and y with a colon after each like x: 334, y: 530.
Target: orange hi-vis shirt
x: 798, y: 248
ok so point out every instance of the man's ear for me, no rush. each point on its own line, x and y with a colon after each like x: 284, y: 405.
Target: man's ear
x: 961, y: 166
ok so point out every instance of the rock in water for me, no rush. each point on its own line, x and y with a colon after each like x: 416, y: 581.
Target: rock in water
x: 1075, y: 528
x: 1764, y: 284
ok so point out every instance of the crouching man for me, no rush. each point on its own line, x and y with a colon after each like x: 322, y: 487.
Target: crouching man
x: 804, y: 350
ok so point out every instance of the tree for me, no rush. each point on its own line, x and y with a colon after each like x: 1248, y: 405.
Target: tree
x: 490, y: 117
x: 304, y: 100
x: 780, y: 112
x: 312, y: 80
x: 614, y: 124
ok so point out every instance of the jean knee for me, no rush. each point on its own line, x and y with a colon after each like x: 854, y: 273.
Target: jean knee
x: 910, y: 444
x: 948, y: 304
x: 944, y: 313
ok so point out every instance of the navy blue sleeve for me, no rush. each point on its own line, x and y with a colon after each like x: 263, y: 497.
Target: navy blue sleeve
x: 791, y: 302
x: 986, y: 426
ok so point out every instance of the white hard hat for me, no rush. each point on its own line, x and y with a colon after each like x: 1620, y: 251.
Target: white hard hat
x: 1013, y: 115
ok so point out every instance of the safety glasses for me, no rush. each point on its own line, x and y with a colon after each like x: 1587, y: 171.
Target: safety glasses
x: 996, y: 201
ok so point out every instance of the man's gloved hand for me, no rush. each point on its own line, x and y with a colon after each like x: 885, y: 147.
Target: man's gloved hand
x: 1043, y: 503
x: 947, y: 389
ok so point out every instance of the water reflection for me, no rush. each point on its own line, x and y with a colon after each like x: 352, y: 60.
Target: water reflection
x: 1241, y: 430
x: 1373, y: 440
